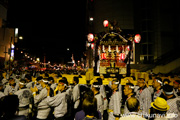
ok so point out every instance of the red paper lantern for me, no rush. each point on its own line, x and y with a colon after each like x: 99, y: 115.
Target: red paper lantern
x: 90, y: 37
x: 128, y: 47
x: 137, y: 38
x: 92, y: 45
x: 122, y: 56
x: 106, y: 23
x: 103, y: 56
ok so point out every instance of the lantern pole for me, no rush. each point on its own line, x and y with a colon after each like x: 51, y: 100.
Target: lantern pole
x: 136, y: 39
x: 128, y: 72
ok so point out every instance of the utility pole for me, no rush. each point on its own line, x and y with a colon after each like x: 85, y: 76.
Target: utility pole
x: 10, y: 57
x: 5, y: 52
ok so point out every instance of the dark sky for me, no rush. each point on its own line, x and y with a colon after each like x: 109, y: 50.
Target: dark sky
x: 50, y: 27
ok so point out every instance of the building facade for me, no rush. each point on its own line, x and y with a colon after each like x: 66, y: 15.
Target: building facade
x: 156, y: 21
x: 7, y: 35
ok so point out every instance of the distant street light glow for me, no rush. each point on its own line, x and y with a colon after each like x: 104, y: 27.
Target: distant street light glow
x: 16, y: 32
x: 91, y: 18
x: 38, y: 59
x: 20, y: 37
x: 12, y: 46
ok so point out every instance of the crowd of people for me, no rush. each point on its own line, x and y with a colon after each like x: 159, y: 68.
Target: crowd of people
x: 47, y: 99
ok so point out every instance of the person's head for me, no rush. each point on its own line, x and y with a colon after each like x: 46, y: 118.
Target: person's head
x: 10, y: 105
x: 62, y: 85
x: 176, y: 84
x: 100, y: 81
x: 166, y: 82
x: 28, y: 78
x: 115, y: 84
x: 39, y: 80
x: 128, y: 89
x: 46, y: 75
x: 12, y: 81
x: 89, y: 106
x: 157, y: 82
x: 141, y: 82
x: 59, y: 75
x: 168, y: 90
x: 159, y: 106
x: 64, y: 78
x: 133, y: 104
x: 95, y: 87
x: 51, y: 80
x: 88, y: 94
x: 22, y: 83
x: 44, y: 82
x: 101, y: 76
x: 18, y: 76
x: 75, y: 80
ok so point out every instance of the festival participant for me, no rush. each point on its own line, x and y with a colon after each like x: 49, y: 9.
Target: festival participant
x: 176, y: 86
x: 9, y: 107
x: 11, y: 88
x: 1, y: 90
x: 76, y: 93
x: 157, y: 84
x: 166, y: 82
x: 159, y: 109
x: 167, y: 92
x: 100, y: 101
x: 29, y: 81
x: 17, y: 78
x: 53, y: 84
x: 90, y: 107
x: 133, y: 106
x: 103, y: 93
x: 115, y: 101
x: 59, y: 102
x: 172, y: 101
x: 81, y: 114
x: 40, y: 100
x: 129, y: 92
x: 25, y: 98
x: 39, y: 83
x: 4, y: 79
x: 144, y: 96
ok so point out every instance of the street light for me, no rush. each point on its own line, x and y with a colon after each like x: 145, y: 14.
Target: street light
x: 12, y: 52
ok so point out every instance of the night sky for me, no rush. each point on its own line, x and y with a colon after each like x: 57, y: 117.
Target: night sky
x: 49, y: 28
